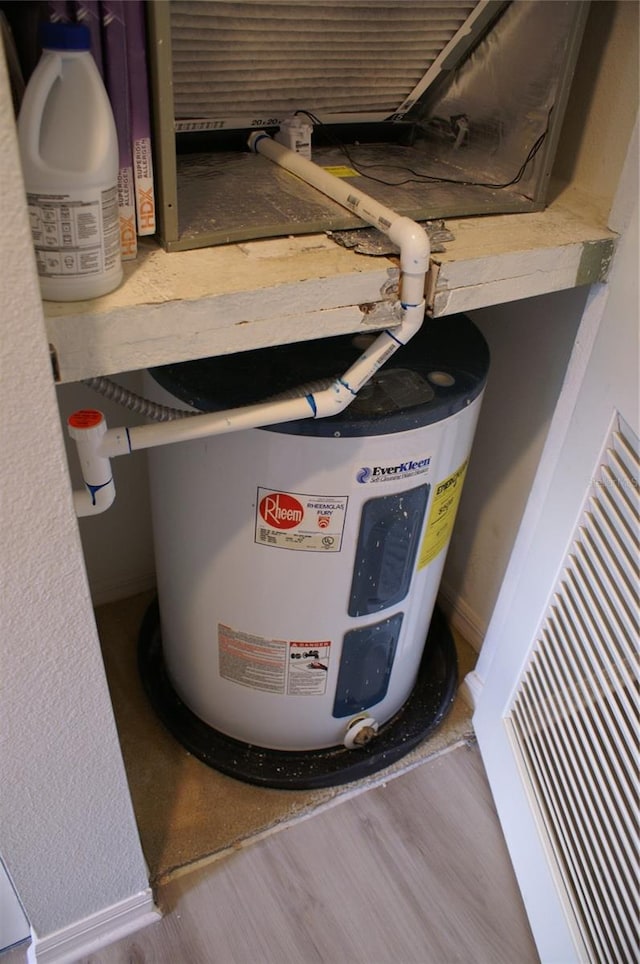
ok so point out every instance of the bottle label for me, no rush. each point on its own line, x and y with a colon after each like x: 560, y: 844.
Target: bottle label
x: 75, y: 234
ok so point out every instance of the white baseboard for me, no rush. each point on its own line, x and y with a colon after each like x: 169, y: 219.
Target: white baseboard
x: 471, y: 688
x: 98, y: 930
x: 461, y: 617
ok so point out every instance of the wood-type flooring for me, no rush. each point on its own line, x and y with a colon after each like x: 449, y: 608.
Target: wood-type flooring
x: 413, y: 871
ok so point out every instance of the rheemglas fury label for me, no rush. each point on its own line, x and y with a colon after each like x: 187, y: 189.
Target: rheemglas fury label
x: 294, y: 520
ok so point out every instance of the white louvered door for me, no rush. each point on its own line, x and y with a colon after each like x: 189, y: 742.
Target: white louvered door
x: 556, y: 684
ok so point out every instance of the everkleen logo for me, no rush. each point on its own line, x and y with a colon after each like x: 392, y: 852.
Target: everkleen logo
x: 281, y: 511
x: 382, y: 473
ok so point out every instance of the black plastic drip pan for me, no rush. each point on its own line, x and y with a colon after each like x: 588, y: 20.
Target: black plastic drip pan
x: 423, y: 712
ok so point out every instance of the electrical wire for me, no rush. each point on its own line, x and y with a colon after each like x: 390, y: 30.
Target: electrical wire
x: 419, y: 177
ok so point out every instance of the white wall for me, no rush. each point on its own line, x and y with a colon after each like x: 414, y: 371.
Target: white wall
x: 67, y: 830
x: 530, y: 343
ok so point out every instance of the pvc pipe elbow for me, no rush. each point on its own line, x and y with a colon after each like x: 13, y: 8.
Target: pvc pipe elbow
x: 411, y: 321
x: 415, y: 251
x: 332, y: 400
x: 414, y: 244
x: 94, y: 499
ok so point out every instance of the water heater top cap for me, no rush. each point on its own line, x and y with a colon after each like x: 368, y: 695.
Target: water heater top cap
x: 64, y: 36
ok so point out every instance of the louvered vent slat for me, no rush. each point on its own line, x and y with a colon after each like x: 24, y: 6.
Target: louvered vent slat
x: 567, y: 815
x: 256, y: 58
x: 601, y: 584
x: 618, y: 513
x: 591, y: 699
x: 562, y: 840
x: 575, y: 721
x: 598, y: 773
x: 605, y: 528
x: 605, y: 679
x: 591, y: 871
x: 561, y: 787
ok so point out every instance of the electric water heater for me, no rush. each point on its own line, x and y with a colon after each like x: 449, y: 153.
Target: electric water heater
x: 298, y: 565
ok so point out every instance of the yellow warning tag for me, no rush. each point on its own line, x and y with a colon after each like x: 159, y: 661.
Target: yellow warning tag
x: 442, y: 516
x: 341, y: 170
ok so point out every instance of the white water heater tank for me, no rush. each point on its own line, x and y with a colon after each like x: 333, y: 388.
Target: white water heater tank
x: 298, y: 565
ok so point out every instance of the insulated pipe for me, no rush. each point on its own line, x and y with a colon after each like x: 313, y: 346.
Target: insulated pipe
x: 96, y: 448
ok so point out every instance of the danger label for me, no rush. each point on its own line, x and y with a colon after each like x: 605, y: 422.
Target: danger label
x: 308, y: 668
x: 292, y: 520
x: 288, y: 667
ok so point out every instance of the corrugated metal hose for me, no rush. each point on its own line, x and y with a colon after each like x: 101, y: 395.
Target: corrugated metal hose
x: 135, y: 403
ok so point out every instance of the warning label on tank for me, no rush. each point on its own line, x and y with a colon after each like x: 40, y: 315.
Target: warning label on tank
x: 292, y: 520
x: 446, y: 497
x: 308, y: 668
x: 252, y: 660
x: 273, y: 665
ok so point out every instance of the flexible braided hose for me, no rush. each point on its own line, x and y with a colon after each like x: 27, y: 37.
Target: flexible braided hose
x: 135, y: 403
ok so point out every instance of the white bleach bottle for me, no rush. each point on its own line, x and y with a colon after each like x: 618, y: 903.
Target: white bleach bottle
x: 69, y: 150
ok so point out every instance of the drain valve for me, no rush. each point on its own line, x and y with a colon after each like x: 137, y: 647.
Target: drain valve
x: 360, y: 731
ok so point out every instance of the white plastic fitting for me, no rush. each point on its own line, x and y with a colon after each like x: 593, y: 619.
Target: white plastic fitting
x: 87, y: 427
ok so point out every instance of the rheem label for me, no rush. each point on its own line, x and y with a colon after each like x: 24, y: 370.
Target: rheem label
x: 295, y: 520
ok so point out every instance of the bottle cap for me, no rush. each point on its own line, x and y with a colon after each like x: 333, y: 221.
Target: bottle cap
x: 64, y: 36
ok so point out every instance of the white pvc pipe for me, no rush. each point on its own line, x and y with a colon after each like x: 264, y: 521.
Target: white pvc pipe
x: 121, y: 441
x: 318, y: 404
x: 413, y: 242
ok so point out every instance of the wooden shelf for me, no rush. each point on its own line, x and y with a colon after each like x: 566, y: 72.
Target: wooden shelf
x: 212, y: 301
